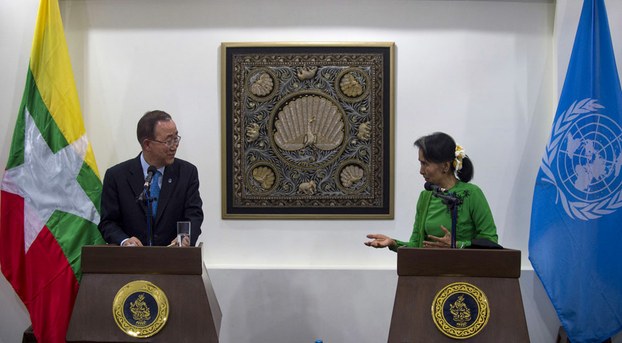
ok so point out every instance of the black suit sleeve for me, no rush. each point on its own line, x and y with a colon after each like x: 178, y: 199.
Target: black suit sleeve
x: 193, y: 206
x: 109, y: 224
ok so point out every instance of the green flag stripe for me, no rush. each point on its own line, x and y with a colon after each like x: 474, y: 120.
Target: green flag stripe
x: 38, y: 110
x: 73, y: 232
x: 42, y: 117
x: 16, y: 154
x: 91, y: 184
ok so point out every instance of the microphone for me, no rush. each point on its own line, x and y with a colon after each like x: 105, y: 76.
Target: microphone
x: 150, y: 172
x: 451, y: 200
x: 429, y: 186
x: 446, y: 196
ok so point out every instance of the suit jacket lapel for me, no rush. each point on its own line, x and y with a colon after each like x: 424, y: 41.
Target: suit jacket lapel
x: 136, y: 180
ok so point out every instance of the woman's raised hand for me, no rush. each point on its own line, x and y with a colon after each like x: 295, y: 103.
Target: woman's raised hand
x: 379, y: 241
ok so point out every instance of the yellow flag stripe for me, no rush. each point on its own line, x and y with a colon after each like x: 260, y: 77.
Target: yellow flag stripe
x: 51, y: 67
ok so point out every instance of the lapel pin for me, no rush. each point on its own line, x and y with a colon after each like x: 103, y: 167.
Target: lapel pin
x: 170, y: 180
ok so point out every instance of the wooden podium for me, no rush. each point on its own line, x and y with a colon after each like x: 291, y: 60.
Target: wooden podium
x: 424, y: 275
x: 193, y: 311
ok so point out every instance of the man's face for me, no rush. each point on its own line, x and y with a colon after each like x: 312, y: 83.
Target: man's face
x: 161, y: 150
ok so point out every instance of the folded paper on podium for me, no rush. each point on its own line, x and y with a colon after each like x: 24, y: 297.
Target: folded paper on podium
x: 144, y: 294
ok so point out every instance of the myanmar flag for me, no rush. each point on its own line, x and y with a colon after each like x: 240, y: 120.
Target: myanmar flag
x: 51, y: 188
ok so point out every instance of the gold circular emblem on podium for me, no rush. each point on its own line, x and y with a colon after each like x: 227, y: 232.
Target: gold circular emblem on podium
x: 140, y: 309
x: 460, y: 310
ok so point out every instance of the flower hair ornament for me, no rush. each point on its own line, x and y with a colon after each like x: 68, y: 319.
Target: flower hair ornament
x: 460, y: 154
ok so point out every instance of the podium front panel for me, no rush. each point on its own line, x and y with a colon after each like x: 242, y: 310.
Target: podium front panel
x: 193, y: 311
x: 423, y: 273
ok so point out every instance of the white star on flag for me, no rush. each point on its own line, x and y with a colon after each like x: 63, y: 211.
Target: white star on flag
x: 47, y: 181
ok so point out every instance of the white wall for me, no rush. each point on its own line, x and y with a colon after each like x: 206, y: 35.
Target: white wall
x: 478, y: 70
x: 484, y: 71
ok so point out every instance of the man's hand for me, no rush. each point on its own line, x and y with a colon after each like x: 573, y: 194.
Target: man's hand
x: 185, y: 242
x: 132, y: 242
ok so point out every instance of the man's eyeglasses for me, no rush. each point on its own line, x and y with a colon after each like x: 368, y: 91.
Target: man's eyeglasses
x: 171, y: 142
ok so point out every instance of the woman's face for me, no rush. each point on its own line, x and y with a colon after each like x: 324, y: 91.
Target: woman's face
x: 431, y: 171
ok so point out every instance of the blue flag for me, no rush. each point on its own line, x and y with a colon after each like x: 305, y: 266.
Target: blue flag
x: 575, y: 243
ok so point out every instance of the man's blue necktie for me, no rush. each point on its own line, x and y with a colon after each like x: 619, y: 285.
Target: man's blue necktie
x: 155, y: 192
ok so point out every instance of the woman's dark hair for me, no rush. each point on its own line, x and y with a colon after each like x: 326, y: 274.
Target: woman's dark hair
x: 439, y: 147
x: 146, y: 125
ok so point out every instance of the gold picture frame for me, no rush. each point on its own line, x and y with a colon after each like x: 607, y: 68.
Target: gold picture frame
x: 307, y: 130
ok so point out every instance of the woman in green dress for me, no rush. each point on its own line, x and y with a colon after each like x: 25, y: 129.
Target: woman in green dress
x: 445, y: 164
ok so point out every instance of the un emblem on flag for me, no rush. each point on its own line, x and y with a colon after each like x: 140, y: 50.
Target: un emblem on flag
x: 583, y: 160
x: 460, y: 310
x: 140, y: 309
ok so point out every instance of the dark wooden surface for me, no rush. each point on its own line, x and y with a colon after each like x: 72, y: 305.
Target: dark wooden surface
x: 113, y: 259
x: 29, y: 336
x: 504, y: 263
x: 194, y: 313
x: 424, y: 272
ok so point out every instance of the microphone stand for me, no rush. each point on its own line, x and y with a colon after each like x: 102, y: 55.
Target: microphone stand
x: 146, y: 198
x: 452, y: 202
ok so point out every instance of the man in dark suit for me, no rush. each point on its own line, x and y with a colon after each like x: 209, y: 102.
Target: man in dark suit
x: 124, y: 211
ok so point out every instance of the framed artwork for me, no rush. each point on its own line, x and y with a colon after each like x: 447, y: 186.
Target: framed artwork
x: 307, y: 130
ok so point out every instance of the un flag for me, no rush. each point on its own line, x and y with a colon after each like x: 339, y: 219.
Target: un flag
x: 575, y: 243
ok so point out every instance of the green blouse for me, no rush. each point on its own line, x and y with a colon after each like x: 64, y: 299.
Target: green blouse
x: 474, y: 217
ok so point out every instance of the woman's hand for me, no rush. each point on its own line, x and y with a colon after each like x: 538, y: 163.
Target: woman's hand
x: 438, y: 242
x: 380, y: 241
